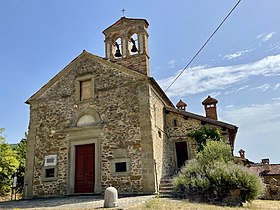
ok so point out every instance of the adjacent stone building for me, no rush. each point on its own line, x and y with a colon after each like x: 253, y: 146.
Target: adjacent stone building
x: 104, y: 122
x: 270, y: 173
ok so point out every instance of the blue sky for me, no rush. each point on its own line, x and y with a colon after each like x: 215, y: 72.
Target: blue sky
x: 240, y: 66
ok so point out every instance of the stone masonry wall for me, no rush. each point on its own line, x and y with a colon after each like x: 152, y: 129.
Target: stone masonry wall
x: 117, y: 104
x: 158, y: 132
x: 181, y: 133
x: 137, y: 62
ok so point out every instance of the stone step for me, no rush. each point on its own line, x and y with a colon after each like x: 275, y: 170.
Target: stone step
x: 166, y: 187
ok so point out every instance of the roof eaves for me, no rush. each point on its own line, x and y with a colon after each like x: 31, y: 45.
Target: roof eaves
x: 202, y: 118
x: 153, y: 82
x: 122, y: 19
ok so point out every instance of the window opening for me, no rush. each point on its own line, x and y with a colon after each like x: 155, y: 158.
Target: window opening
x: 175, y: 124
x: 121, y: 167
x: 117, y: 48
x: 133, y: 44
x: 49, y: 172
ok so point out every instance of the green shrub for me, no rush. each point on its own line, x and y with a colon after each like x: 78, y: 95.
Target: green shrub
x: 8, y: 165
x: 12, y: 159
x: 217, y: 175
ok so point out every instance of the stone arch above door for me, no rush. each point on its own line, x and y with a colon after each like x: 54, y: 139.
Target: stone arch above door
x: 86, y: 117
x: 85, y: 129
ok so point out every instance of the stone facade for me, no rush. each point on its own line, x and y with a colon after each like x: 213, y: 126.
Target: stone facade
x: 186, y: 123
x: 128, y: 120
x: 270, y: 173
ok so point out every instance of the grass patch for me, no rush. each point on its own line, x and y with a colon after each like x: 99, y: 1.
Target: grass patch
x: 169, y: 204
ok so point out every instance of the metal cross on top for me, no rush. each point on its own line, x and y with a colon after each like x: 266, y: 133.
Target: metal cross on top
x: 123, y: 11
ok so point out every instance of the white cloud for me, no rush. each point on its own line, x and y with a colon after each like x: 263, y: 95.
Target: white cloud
x: 273, y: 47
x: 203, y: 78
x: 229, y: 106
x: 256, y: 115
x: 236, y: 54
x: 265, y: 36
x: 236, y: 90
x: 258, y: 131
x: 276, y: 86
x: 276, y: 99
x: 262, y: 88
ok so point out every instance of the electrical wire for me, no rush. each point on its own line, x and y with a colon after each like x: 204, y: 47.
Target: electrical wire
x: 203, y: 45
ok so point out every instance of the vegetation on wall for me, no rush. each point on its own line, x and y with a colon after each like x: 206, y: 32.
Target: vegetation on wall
x: 12, y: 159
x: 201, y: 135
x: 214, y: 172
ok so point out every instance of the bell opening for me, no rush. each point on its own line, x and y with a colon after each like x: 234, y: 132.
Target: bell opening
x: 134, y: 48
x: 133, y: 44
x: 117, y: 47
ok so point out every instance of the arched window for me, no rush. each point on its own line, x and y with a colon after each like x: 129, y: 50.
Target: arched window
x: 117, y: 48
x: 86, y: 120
x: 133, y: 44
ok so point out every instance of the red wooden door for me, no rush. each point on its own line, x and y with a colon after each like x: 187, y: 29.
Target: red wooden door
x: 181, y: 153
x: 84, y: 168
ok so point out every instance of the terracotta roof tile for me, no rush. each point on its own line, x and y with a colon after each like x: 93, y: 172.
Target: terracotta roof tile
x: 181, y: 104
x: 209, y: 100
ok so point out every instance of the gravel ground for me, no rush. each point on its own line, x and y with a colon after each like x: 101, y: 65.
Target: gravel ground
x: 73, y: 202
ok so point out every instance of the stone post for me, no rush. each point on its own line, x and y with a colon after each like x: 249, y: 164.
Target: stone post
x: 111, y: 197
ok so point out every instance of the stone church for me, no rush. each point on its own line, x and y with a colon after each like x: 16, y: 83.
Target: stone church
x: 104, y: 122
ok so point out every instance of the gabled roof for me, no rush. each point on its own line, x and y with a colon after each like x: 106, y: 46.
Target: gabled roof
x: 202, y: 118
x: 124, y: 19
x: 274, y: 169
x: 66, y: 69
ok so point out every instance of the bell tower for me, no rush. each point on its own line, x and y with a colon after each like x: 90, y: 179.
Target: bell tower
x: 126, y: 43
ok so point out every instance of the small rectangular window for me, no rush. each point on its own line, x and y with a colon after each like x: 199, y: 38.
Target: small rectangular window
x: 49, y: 172
x: 175, y: 123
x: 120, y: 167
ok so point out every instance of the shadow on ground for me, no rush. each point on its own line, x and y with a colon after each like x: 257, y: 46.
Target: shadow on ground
x: 49, y: 202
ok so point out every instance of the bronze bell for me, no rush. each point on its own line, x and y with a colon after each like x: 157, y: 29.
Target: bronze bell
x: 118, y: 52
x: 134, y: 48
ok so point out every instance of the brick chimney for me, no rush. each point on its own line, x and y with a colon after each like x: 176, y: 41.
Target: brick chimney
x: 181, y: 105
x: 210, y: 107
x: 265, y: 163
x: 242, y: 153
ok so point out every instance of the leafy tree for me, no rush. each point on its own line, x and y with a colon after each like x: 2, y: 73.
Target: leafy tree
x: 203, y: 134
x: 8, y: 164
x: 21, y: 152
x: 214, y: 172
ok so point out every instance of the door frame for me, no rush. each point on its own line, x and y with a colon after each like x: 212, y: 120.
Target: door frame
x: 82, y: 137
x: 86, y: 167
x: 175, y: 151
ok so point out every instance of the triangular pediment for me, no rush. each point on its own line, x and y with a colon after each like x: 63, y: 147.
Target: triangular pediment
x: 84, y: 55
